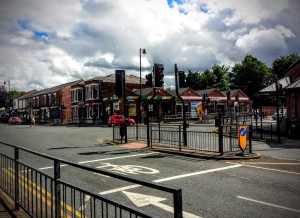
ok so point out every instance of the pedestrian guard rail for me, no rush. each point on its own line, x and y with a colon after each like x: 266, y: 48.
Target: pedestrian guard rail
x: 53, y: 196
x: 219, y: 139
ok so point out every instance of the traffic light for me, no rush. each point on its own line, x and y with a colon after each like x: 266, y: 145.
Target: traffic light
x: 120, y: 82
x: 279, y: 89
x: 149, y: 78
x: 228, y: 95
x: 237, y: 98
x: 158, y: 75
x: 181, y: 79
x: 204, y: 98
x: 208, y: 100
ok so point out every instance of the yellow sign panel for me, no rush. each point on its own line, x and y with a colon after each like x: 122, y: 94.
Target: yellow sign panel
x: 242, y: 137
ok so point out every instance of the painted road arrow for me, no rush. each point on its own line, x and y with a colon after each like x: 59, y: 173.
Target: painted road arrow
x: 141, y: 200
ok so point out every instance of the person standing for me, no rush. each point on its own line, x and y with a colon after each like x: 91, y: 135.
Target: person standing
x: 32, y: 121
x: 94, y: 118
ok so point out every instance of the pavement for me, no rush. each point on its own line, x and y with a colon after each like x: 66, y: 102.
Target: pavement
x: 7, y: 207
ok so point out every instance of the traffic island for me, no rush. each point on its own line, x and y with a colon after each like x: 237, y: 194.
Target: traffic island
x: 189, y: 152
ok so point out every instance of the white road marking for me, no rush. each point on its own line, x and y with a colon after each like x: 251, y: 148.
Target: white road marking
x: 196, y: 173
x: 141, y: 200
x: 265, y: 163
x: 128, y: 169
x: 264, y: 168
x: 46, y: 168
x: 120, y: 157
x: 119, y: 189
x: 169, y: 178
x: 281, y: 158
x: 269, y: 204
x: 111, y: 158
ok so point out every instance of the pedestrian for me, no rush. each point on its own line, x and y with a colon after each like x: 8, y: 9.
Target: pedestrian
x: 32, y: 121
x: 94, y: 118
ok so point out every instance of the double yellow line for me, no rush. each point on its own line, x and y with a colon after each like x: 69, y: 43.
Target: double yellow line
x: 23, y: 181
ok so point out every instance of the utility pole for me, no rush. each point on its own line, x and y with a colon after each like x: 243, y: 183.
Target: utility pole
x: 183, y: 108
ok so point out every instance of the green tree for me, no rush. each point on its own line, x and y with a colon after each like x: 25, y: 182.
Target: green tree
x: 221, y: 74
x: 216, y: 77
x: 250, y: 76
x: 280, y: 65
x: 193, y: 80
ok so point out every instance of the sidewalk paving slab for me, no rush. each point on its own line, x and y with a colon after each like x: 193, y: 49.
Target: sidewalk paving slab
x: 7, y: 207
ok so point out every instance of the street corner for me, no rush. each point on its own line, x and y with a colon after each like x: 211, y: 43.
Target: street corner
x: 240, y: 156
x: 134, y: 145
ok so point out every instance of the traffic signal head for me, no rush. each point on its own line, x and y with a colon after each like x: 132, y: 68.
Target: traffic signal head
x: 181, y: 76
x: 120, y: 82
x: 158, y: 75
x: 279, y: 89
x: 149, y: 78
x: 204, y: 98
x: 228, y: 95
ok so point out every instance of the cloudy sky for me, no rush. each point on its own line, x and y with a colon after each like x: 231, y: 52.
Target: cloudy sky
x: 47, y: 43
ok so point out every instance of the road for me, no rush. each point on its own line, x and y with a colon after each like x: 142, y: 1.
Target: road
x: 266, y: 187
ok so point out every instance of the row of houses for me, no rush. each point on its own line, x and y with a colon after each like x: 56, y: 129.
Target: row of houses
x: 93, y: 101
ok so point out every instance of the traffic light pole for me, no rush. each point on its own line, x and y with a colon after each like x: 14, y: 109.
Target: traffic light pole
x: 277, y: 109
x: 183, y: 107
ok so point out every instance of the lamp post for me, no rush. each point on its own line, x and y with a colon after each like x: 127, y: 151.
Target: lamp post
x: 142, y: 51
x: 8, y: 93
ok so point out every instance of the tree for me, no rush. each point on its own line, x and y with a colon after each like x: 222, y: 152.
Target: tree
x: 222, y: 77
x: 216, y: 77
x: 193, y: 80
x: 280, y: 65
x: 250, y: 76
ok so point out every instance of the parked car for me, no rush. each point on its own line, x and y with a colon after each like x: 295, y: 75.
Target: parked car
x: 14, y: 120
x: 116, y: 120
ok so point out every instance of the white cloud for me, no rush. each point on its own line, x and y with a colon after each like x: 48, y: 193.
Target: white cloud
x: 272, y: 38
x: 44, y: 43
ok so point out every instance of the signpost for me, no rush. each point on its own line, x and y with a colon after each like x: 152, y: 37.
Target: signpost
x: 242, y: 137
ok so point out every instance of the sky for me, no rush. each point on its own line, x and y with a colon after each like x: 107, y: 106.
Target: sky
x: 47, y: 43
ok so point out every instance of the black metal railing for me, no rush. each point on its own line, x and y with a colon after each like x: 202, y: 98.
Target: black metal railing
x: 220, y: 139
x: 42, y: 195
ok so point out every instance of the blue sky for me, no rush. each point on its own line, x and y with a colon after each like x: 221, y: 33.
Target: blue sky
x: 46, y: 43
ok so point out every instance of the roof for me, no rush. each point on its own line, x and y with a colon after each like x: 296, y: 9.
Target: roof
x: 132, y: 79
x: 285, y: 81
x: 205, y: 91
x: 56, y: 88
x: 27, y: 95
x: 295, y: 67
x: 180, y: 91
x: 145, y: 91
x: 294, y: 85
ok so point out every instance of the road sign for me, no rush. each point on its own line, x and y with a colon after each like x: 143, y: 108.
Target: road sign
x: 242, y: 137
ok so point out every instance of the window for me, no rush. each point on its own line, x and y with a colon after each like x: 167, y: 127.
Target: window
x: 75, y: 112
x: 80, y: 95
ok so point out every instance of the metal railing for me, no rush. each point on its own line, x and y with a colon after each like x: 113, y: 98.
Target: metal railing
x: 221, y: 139
x: 42, y: 195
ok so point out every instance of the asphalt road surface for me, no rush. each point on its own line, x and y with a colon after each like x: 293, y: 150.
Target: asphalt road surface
x: 265, y: 187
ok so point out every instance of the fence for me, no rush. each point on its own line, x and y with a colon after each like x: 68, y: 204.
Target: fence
x: 42, y: 195
x: 222, y: 139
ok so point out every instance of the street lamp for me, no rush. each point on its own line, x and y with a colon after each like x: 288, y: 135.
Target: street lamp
x: 8, y: 93
x: 142, y: 51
